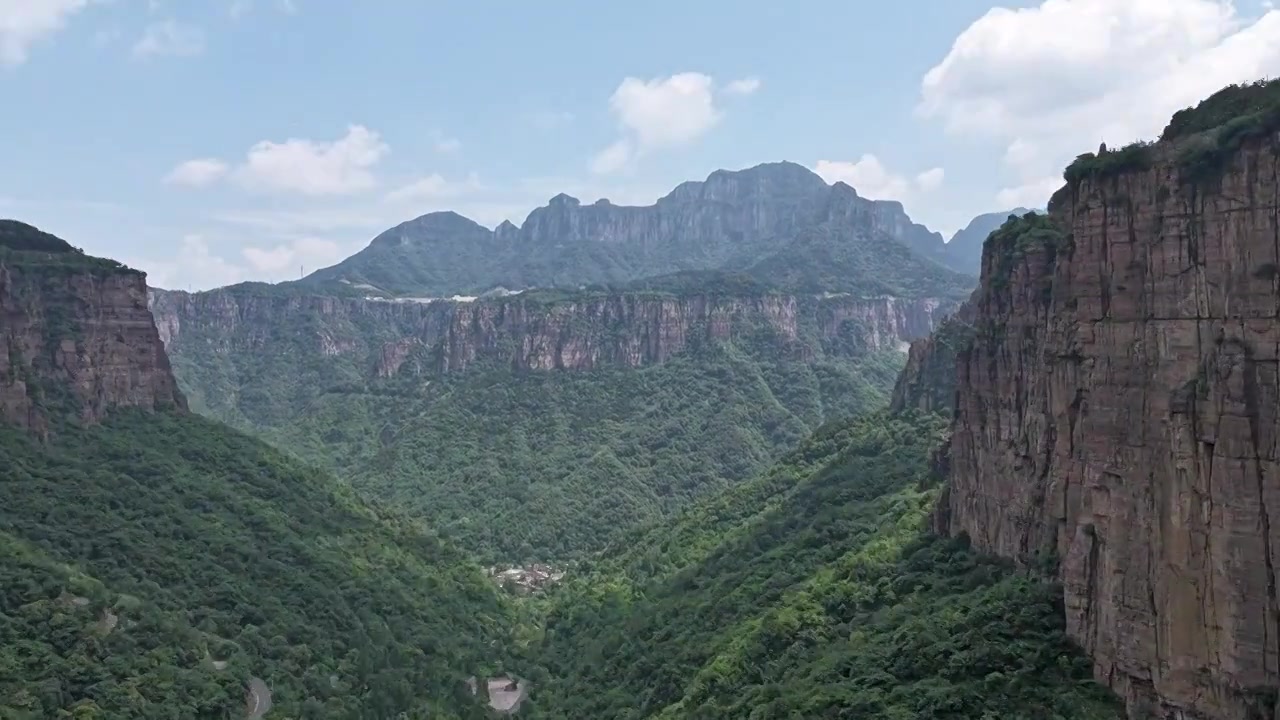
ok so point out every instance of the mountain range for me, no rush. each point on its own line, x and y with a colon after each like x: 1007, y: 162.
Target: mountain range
x: 753, y: 222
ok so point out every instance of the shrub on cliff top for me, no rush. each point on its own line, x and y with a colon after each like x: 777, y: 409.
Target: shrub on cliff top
x: 1018, y: 236
x: 1134, y: 157
x: 1214, y: 131
x: 33, y: 249
x: 16, y: 235
x: 1233, y: 104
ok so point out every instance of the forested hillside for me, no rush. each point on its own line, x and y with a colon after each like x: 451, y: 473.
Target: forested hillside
x: 156, y: 564
x: 551, y: 466
x: 814, y: 591
x: 208, y: 547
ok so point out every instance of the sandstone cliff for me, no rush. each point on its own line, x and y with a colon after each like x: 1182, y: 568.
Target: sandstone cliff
x: 78, y: 336
x: 928, y: 381
x: 573, y: 332
x: 1116, y: 411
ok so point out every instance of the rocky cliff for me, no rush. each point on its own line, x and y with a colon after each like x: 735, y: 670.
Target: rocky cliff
x: 576, y: 331
x: 733, y: 220
x: 78, y: 336
x: 1116, y: 411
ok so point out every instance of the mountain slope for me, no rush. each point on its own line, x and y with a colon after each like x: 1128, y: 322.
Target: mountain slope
x: 811, y: 592
x: 730, y: 221
x: 157, y: 564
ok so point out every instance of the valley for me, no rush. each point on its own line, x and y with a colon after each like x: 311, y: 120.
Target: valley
x: 762, y: 449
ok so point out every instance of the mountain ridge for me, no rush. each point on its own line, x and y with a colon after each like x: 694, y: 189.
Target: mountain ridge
x: 729, y: 221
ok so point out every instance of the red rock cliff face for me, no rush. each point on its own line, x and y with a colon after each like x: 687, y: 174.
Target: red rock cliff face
x: 78, y: 341
x: 617, y: 330
x: 1118, y: 406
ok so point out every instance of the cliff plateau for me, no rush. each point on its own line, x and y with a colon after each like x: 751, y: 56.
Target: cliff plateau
x: 534, y: 331
x: 1116, y: 409
x: 78, y: 336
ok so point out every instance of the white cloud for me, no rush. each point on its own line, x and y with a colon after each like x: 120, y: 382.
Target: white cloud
x: 612, y: 159
x: 197, y: 173
x: 930, y: 179
x: 665, y: 111
x: 196, y: 266
x: 308, y: 167
x: 169, y: 37
x: 23, y: 22
x: 874, y: 181
x: 744, y: 86
x: 1034, y: 193
x: 660, y: 113
x: 433, y: 187
x: 193, y: 267
x: 1054, y: 80
x: 286, y: 261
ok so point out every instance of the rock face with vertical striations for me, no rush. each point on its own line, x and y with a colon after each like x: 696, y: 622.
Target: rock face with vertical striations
x: 572, y: 332
x: 78, y: 336
x: 1117, y: 410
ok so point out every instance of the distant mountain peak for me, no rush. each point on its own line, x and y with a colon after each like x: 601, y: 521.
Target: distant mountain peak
x: 727, y: 222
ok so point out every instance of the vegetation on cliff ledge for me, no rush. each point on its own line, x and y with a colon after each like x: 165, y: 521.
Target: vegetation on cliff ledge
x: 1018, y: 237
x: 1211, y: 133
x: 1205, y: 137
x: 1134, y: 157
x: 38, y: 251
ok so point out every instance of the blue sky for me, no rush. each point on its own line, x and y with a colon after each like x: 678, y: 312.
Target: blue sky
x: 214, y: 141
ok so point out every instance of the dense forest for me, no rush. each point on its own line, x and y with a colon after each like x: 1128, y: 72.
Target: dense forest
x: 551, y: 466
x: 813, y: 591
x: 154, y: 564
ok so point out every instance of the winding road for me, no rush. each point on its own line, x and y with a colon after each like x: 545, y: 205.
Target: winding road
x: 259, y: 698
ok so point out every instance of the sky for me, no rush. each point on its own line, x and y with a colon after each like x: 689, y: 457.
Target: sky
x: 213, y: 141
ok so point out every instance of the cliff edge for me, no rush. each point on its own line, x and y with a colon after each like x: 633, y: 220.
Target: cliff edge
x: 78, y: 336
x: 1115, y: 410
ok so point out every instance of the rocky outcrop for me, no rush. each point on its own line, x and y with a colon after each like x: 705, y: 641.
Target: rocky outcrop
x: 1117, y: 411
x: 578, y: 332
x: 78, y: 340
x: 963, y: 251
x: 928, y: 382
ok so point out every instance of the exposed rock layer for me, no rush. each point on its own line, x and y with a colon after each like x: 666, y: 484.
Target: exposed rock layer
x: 620, y: 330
x: 1118, y: 407
x: 79, y: 341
